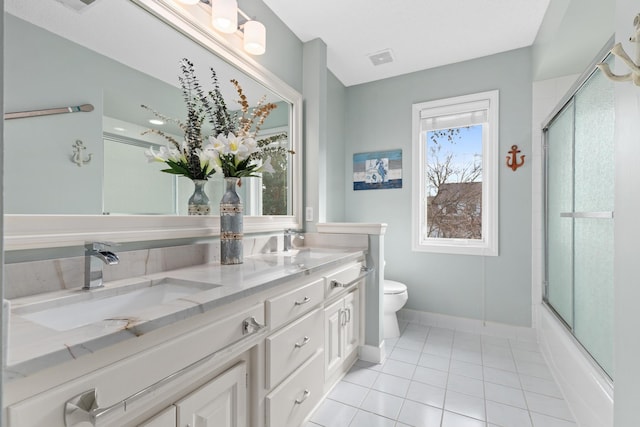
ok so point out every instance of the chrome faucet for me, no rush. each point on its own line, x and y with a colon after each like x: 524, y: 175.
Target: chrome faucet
x: 95, y: 256
x: 288, y: 235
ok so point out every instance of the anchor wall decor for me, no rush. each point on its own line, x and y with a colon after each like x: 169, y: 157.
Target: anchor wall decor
x: 512, y: 159
x: 618, y: 50
x: 78, y: 154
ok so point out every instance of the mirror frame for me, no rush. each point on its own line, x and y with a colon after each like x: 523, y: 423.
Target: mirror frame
x: 47, y: 231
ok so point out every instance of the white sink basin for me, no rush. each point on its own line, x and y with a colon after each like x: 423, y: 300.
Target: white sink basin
x: 110, y: 304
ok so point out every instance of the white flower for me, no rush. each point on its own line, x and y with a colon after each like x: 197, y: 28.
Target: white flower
x: 162, y: 155
x: 251, y: 145
x: 217, y: 144
x: 209, y: 159
x: 266, y: 166
x: 236, y: 146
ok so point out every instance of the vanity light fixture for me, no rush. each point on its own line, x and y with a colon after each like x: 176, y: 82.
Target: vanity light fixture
x: 255, y: 37
x: 224, y: 15
x: 227, y: 18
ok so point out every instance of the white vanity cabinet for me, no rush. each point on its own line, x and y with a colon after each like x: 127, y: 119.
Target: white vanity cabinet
x: 222, y: 402
x: 263, y: 360
x: 313, y: 332
x: 293, y: 358
x: 342, y: 316
x: 342, y: 333
x: 293, y: 400
x: 166, y: 418
x: 202, y: 369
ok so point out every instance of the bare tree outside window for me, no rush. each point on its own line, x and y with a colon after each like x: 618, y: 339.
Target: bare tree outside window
x: 454, y: 183
x: 275, y: 191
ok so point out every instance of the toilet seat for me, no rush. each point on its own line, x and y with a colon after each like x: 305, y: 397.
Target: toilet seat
x: 391, y: 287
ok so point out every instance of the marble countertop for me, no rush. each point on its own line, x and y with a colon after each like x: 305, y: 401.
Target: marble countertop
x: 33, y: 346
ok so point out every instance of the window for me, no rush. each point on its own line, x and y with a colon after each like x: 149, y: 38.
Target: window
x: 455, y: 196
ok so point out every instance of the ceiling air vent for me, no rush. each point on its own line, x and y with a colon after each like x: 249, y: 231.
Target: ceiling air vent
x: 79, y: 5
x: 382, y: 57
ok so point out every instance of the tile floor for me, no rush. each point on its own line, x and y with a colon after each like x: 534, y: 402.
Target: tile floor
x: 436, y: 377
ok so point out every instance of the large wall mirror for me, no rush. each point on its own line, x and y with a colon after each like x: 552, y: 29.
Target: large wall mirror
x: 117, y: 55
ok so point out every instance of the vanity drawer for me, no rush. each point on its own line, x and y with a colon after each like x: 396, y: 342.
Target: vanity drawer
x: 341, y: 277
x: 288, y: 306
x: 290, y: 403
x: 290, y: 347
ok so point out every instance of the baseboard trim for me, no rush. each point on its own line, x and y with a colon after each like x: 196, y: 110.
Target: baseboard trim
x: 369, y: 353
x: 521, y: 333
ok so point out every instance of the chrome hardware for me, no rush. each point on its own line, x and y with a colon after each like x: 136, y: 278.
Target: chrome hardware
x: 305, y: 341
x: 336, y: 284
x: 304, y: 301
x: 251, y: 325
x: 343, y: 317
x: 364, y: 272
x: 95, y: 256
x: 304, y: 397
x: 288, y: 235
x: 83, y: 410
x: 595, y: 215
x: 348, y: 310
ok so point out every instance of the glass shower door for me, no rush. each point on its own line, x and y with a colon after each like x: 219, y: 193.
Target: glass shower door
x: 593, y: 219
x: 559, y: 292
x: 579, y: 217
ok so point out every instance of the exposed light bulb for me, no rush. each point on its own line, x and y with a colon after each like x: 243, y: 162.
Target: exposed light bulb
x: 255, y: 37
x: 224, y: 15
x: 156, y: 122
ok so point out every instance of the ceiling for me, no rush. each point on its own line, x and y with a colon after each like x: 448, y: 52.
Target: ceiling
x: 420, y: 34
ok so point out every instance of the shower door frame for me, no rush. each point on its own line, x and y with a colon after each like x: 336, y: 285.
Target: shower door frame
x: 565, y: 102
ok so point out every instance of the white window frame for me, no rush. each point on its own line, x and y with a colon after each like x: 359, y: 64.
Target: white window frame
x: 488, y: 245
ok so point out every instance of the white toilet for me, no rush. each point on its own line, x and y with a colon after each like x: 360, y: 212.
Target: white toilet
x: 395, y: 297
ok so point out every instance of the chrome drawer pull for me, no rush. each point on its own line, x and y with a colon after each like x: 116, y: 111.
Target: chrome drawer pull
x: 251, y: 325
x: 83, y: 410
x: 304, y: 301
x: 364, y: 272
x: 336, y: 284
x: 306, y: 394
x: 305, y: 341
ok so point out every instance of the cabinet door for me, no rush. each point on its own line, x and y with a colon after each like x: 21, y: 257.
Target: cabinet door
x: 352, y: 322
x: 222, y: 402
x: 333, y: 340
x: 166, y: 418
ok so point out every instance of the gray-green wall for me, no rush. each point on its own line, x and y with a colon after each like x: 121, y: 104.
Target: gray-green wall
x: 284, y: 49
x: 378, y: 117
x: 336, y: 177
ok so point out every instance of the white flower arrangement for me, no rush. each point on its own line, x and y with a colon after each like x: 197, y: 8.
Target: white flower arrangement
x: 231, y: 149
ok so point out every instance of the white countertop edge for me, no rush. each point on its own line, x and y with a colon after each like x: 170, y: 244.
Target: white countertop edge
x: 68, y: 351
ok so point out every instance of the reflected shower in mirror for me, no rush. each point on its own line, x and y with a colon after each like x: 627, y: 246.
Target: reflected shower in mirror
x: 44, y: 70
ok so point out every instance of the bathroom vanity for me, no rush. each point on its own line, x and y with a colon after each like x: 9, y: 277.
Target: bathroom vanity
x: 256, y: 344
